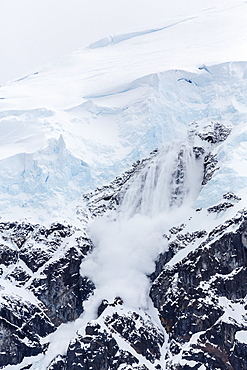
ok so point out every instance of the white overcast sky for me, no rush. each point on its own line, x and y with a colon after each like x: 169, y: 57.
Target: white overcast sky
x: 36, y: 32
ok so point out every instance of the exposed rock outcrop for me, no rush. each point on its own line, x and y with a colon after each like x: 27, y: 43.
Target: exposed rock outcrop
x: 200, y: 300
x: 43, y: 288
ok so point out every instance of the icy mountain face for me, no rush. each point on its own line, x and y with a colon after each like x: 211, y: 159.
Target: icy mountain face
x: 70, y: 302
x: 57, y: 154
x: 146, y: 270
x: 202, y: 301
x: 41, y: 286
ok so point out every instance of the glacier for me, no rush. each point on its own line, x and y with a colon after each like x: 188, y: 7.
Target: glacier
x: 136, y: 118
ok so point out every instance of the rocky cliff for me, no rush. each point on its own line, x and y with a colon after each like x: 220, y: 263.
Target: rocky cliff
x: 53, y: 315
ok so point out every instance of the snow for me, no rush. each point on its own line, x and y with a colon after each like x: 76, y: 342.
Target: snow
x: 123, y: 257
x: 177, y: 359
x: 123, y: 344
x: 172, y: 178
x: 129, y: 240
x: 59, y: 342
x: 105, y: 133
x: 17, y: 294
x: 233, y: 312
x: 79, y: 122
x: 241, y: 336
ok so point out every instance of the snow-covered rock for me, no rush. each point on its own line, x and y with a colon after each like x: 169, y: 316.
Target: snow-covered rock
x: 123, y: 203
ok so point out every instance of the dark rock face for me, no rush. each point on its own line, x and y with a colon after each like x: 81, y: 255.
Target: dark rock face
x: 146, y: 340
x: 21, y: 325
x: 44, y: 266
x: 230, y: 196
x: 99, y: 348
x: 8, y: 255
x: 215, y: 133
x: 220, y: 207
x: 193, y: 296
x: 110, y: 196
x: 178, y: 241
x: 35, y: 244
x: 59, y: 363
x: 61, y: 288
x: 201, y: 300
x: 238, y: 358
x: 210, y: 166
x: 96, y: 350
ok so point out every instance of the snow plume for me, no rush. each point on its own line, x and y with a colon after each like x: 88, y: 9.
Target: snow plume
x: 123, y: 257
x: 128, y: 242
x: 172, y: 178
